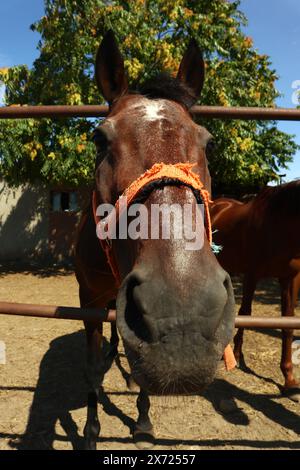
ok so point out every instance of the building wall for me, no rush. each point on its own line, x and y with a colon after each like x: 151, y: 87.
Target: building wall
x: 29, y: 230
x: 24, y: 221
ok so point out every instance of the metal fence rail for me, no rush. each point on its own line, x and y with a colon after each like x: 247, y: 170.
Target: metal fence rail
x: 57, y: 111
x: 53, y: 311
x: 105, y: 315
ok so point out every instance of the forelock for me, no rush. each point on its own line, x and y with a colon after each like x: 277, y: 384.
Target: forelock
x: 169, y: 88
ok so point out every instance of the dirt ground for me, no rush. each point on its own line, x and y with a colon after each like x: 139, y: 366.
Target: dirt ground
x: 43, y: 389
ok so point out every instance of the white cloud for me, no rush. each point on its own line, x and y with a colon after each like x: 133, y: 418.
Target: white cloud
x: 2, y: 91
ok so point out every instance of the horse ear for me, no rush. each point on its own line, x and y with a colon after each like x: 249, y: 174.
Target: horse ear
x: 109, y: 70
x: 192, y: 68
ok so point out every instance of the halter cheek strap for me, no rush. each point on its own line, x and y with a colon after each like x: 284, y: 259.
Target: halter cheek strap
x: 106, y: 243
x: 178, y: 172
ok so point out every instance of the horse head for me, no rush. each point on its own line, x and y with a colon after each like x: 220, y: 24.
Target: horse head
x: 175, y: 304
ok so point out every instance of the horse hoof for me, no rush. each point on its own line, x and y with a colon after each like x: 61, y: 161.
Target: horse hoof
x: 90, y: 446
x: 144, y: 440
x: 292, y: 393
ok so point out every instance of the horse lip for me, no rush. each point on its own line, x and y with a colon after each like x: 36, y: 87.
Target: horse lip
x: 155, y: 387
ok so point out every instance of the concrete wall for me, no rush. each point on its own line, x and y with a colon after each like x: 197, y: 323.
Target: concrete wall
x: 24, y: 222
x: 30, y: 231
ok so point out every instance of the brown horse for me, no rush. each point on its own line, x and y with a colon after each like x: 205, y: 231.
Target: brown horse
x: 174, y: 307
x: 260, y: 239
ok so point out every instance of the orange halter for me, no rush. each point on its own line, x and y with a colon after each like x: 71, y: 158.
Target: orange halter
x: 179, y: 172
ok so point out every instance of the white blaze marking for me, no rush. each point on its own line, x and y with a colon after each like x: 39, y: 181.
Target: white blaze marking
x: 152, y: 110
x: 145, y: 110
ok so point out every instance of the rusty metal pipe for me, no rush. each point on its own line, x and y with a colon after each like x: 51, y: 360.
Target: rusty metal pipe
x: 282, y: 323
x: 247, y: 113
x: 102, y: 314
x: 223, y: 112
x: 55, y: 111
x: 53, y: 311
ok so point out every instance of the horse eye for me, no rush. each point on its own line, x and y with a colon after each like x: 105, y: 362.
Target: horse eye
x: 99, y: 139
x: 210, y: 148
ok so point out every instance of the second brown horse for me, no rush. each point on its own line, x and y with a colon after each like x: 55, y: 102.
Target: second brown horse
x: 260, y: 239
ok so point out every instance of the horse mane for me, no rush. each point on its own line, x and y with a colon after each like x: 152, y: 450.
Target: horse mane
x: 170, y: 88
x: 283, y: 197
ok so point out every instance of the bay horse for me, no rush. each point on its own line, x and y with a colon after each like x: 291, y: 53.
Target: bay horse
x: 260, y: 239
x: 174, y: 307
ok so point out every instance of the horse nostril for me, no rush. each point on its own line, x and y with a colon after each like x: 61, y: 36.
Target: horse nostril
x: 136, y: 316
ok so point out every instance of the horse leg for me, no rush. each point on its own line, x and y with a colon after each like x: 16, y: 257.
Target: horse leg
x: 114, y: 338
x: 114, y: 341
x: 291, y: 386
x: 95, y: 373
x: 143, y: 434
x: 249, y: 285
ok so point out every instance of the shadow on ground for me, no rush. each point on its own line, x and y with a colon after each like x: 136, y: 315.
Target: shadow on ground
x: 267, y: 291
x: 62, y: 388
x: 46, y: 269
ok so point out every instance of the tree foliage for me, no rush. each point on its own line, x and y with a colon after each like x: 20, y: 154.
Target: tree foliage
x: 153, y: 35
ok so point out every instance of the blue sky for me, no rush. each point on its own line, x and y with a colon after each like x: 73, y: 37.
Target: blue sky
x: 274, y: 25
